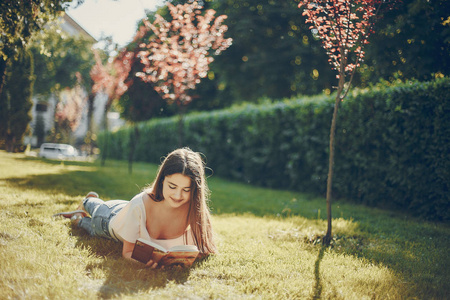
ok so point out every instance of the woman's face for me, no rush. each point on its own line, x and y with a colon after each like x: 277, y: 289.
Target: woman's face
x: 177, y: 190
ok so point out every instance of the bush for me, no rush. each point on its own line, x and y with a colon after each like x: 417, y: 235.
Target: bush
x: 394, y: 148
x: 392, y: 145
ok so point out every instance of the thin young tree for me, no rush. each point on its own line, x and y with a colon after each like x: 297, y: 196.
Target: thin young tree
x: 344, y: 26
x: 112, y: 80
x: 140, y: 102
x: 178, y: 53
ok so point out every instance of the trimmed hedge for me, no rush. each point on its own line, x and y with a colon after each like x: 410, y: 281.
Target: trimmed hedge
x: 392, y: 145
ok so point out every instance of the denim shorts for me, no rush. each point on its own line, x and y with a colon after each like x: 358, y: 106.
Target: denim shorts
x: 101, y: 213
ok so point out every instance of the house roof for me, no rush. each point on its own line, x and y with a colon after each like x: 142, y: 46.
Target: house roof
x: 72, y: 27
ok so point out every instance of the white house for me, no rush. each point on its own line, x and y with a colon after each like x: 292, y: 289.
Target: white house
x: 44, y: 107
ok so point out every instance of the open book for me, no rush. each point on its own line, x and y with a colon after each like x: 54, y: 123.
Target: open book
x: 183, y: 255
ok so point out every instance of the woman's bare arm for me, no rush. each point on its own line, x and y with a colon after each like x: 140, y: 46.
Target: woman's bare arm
x: 127, y: 249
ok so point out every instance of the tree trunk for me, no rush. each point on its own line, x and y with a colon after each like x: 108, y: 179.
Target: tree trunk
x: 2, y: 73
x: 9, y: 142
x: 328, y: 237
x: 56, y: 128
x: 105, y: 145
x: 9, y: 135
x: 182, y: 111
x: 91, y: 98
x: 133, y: 141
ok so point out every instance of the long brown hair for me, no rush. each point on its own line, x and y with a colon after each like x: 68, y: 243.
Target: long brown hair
x: 189, y: 163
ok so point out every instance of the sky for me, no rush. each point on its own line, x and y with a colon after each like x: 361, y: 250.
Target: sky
x: 116, y: 18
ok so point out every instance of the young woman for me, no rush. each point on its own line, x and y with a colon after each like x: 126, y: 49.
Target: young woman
x: 172, y: 211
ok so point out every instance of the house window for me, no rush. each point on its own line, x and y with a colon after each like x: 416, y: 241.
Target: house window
x: 41, y: 107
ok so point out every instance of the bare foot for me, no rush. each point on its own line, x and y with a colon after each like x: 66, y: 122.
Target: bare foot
x: 76, y: 218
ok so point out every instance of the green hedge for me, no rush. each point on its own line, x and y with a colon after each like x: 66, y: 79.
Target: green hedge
x: 392, y: 145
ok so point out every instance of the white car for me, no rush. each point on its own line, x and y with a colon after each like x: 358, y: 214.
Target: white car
x: 57, y: 151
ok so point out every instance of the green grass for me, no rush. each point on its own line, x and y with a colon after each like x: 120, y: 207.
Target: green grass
x: 268, y: 240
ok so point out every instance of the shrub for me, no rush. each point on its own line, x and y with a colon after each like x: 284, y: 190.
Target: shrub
x: 392, y: 145
x: 394, y: 148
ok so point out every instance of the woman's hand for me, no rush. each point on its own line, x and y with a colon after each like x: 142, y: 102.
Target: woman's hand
x: 151, y: 264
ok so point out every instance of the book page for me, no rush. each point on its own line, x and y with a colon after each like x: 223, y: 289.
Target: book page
x: 152, y: 244
x: 185, y: 248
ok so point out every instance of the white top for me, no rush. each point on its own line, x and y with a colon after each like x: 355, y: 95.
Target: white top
x: 130, y: 224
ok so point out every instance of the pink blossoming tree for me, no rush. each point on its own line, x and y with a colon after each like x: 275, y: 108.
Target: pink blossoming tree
x: 344, y: 27
x: 112, y: 80
x: 178, y: 53
x: 69, y: 110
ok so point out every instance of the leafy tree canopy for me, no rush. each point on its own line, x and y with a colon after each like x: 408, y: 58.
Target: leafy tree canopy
x: 275, y: 55
x: 411, y: 42
x: 15, y: 101
x: 19, y: 20
x: 61, y: 60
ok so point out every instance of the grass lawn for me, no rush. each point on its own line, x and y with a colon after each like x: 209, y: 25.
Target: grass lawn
x: 267, y: 241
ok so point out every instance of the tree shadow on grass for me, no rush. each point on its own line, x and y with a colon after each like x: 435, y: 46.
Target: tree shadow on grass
x: 74, y: 178
x: 64, y: 182
x: 53, y: 161
x: 76, y: 183
x: 413, y: 266
x: 317, y: 290
x: 122, y: 277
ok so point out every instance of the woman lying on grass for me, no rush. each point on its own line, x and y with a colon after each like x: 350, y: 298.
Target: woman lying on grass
x: 172, y: 211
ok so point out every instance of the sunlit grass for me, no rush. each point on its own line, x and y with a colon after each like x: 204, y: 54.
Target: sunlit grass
x: 268, y: 240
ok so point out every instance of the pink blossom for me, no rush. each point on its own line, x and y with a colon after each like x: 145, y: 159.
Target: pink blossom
x: 177, y: 54
x: 343, y: 26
